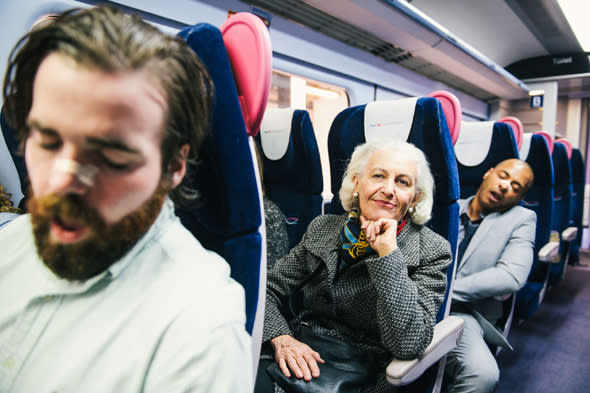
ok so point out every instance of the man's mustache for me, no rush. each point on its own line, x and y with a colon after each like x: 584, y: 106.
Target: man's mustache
x: 67, y: 208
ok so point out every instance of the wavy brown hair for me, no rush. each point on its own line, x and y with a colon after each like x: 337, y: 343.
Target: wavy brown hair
x: 107, y: 39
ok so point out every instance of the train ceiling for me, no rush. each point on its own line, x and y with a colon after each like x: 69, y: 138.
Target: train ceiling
x: 503, y: 32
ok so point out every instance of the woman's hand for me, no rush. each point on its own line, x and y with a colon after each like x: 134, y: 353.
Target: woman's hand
x: 381, y: 234
x: 293, y: 355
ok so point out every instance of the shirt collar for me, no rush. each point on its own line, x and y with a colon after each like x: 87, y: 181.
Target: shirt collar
x: 166, y: 213
x: 465, y: 209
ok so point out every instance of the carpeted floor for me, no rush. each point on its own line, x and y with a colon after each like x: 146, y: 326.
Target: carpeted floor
x: 552, y: 349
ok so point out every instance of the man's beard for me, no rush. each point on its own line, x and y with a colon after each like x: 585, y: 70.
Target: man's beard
x: 105, y: 244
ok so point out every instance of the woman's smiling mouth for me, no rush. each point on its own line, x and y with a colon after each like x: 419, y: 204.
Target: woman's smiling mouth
x: 385, y: 204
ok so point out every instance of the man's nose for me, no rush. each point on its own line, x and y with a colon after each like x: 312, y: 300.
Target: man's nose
x: 504, y: 185
x: 69, y: 176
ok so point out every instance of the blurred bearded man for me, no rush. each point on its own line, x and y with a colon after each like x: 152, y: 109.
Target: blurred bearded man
x: 101, y: 287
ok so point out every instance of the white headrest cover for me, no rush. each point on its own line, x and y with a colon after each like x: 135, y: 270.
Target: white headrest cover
x: 389, y: 119
x: 474, y: 141
x: 275, y: 131
x: 525, y: 147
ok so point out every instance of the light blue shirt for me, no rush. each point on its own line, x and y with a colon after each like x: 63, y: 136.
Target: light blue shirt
x: 5, y: 218
x: 166, y: 317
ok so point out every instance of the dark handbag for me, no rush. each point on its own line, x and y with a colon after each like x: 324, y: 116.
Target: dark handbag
x: 347, y: 368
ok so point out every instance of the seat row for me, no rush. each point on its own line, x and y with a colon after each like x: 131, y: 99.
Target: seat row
x: 556, y: 195
x: 229, y: 215
x: 293, y: 180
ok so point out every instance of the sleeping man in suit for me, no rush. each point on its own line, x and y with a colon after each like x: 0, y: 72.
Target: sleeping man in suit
x: 496, y: 242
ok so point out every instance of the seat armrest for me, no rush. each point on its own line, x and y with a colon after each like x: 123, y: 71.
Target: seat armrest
x: 446, y: 335
x: 549, y: 252
x: 569, y: 234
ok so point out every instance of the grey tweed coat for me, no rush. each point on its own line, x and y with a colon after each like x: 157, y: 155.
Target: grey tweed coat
x: 386, y: 304
x: 277, y: 240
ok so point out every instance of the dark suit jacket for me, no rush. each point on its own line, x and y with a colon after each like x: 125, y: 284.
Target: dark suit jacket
x: 387, y: 304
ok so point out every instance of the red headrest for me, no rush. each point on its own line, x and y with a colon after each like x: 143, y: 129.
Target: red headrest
x: 548, y: 137
x: 247, y: 43
x: 517, y: 128
x: 568, y: 146
x: 452, y: 109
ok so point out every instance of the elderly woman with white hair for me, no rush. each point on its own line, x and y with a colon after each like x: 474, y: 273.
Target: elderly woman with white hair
x: 372, y: 279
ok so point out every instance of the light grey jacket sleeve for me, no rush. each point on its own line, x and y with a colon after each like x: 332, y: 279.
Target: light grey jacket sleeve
x: 510, y: 271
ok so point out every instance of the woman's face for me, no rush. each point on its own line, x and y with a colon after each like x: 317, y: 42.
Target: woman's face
x: 387, y: 186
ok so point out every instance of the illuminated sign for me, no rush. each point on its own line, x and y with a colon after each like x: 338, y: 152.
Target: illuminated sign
x: 536, y: 101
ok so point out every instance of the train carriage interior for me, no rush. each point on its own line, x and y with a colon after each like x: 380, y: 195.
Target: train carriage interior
x: 470, y: 83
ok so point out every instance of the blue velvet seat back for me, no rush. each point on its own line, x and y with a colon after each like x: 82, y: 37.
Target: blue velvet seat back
x: 429, y: 133
x: 294, y: 182
x: 562, y: 203
x: 226, y: 217
x: 563, y: 188
x: 502, y: 146
x: 578, y: 184
x: 539, y: 198
x: 13, y: 162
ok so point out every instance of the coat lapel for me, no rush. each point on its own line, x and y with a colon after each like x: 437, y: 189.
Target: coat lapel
x: 409, y: 243
x: 479, y: 236
x: 326, y: 243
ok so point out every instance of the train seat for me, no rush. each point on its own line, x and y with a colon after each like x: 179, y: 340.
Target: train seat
x: 227, y: 216
x: 572, y: 231
x: 562, y: 204
x: 578, y: 184
x: 420, y: 121
x: 452, y: 109
x: 548, y: 138
x: 247, y: 42
x: 424, y: 125
x: 13, y: 171
x: 517, y: 128
x: 539, y: 198
x: 292, y: 172
x: 481, y: 146
x: 11, y: 177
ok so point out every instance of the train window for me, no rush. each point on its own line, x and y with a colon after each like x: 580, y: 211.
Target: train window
x: 323, y: 102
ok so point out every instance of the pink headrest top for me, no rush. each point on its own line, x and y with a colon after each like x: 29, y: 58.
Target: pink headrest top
x: 517, y: 128
x: 247, y: 43
x: 568, y: 146
x: 548, y: 137
x: 452, y: 109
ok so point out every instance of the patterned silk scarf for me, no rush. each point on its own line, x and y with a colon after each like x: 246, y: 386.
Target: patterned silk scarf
x: 354, y: 240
